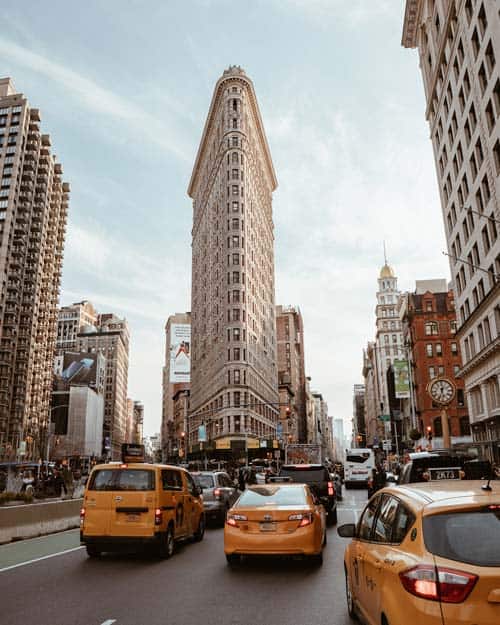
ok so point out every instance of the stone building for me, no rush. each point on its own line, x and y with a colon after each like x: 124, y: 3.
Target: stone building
x: 358, y: 422
x: 176, y: 374
x: 459, y: 51
x: 111, y: 337
x: 33, y: 212
x: 234, y: 377
x: 291, y: 373
x: 429, y: 325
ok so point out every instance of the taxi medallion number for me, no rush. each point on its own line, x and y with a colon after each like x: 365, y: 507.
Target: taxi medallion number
x: 131, y: 518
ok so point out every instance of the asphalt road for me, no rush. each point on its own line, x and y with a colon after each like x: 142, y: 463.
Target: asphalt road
x: 194, y: 587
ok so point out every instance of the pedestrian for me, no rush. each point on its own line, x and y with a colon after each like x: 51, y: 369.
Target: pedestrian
x: 241, y: 479
x: 67, y: 477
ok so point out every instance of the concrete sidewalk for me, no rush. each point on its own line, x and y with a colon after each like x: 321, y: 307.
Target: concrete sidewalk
x: 34, y: 549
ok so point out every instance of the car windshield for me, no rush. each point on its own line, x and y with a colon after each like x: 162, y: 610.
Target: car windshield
x: 273, y: 496
x: 302, y: 475
x: 204, y: 480
x: 122, y: 479
x: 460, y: 536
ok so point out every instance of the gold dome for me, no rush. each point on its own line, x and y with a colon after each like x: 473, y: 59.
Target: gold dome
x: 387, y: 272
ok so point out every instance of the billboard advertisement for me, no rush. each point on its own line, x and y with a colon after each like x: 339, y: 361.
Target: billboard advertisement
x: 401, y: 379
x: 80, y: 368
x: 180, y: 356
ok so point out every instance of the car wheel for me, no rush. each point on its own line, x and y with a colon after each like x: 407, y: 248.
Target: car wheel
x: 233, y: 559
x: 93, y: 551
x: 349, y: 598
x: 317, y: 559
x: 198, y: 535
x: 167, y: 545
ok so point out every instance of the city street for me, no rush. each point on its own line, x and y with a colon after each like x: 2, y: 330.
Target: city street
x: 195, y: 586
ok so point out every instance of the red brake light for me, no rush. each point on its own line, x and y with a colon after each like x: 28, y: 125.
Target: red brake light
x: 331, y: 489
x: 438, y: 583
x: 494, y: 506
x: 158, y: 516
x: 232, y: 519
x: 82, y: 516
x: 305, y: 519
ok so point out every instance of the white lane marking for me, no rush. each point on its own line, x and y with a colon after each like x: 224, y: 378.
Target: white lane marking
x: 109, y: 621
x: 51, y: 555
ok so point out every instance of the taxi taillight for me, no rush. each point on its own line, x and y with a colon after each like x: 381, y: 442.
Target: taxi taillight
x: 82, y: 515
x: 232, y: 519
x: 331, y: 489
x: 304, y: 518
x: 438, y: 583
x: 158, y: 516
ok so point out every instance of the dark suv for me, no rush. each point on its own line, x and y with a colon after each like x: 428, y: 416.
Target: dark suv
x: 317, y: 477
x: 442, y: 465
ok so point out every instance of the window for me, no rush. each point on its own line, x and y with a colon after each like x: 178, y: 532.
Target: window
x: 438, y: 427
x: 439, y: 349
x: 236, y: 376
x: 236, y: 353
x: 454, y: 349
x: 171, y: 479
x: 366, y: 521
x: 432, y: 373
x: 431, y: 328
x: 430, y: 353
x: 490, y: 57
x: 382, y: 530
x: 235, y: 189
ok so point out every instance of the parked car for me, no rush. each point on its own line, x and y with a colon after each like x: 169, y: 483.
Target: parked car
x: 276, y: 519
x: 426, y: 553
x: 219, y: 493
x: 317, y: 477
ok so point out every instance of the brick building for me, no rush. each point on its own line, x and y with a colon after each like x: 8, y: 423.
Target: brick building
x: 429, y: 326
x: 291, y: 372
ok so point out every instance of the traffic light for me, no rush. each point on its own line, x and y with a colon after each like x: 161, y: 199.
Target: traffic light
x: 288, y: 412
x: 429, y: 432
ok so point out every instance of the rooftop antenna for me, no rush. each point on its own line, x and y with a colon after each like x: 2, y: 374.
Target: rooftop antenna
x: 385, y: 255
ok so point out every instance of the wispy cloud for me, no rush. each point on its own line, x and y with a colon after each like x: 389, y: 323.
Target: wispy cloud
x: 89, y: 94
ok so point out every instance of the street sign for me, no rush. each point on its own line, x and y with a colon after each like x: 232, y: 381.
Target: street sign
x: 385, y: 417
x: 387, y: 445
x: 22, y: 448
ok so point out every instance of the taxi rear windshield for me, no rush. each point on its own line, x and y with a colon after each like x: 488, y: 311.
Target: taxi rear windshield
x: 273, y: 495
x: 462, y: 536
x: 122, y: 479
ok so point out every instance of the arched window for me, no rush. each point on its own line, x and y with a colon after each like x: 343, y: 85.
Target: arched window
x: 438, y: 427
x: 431, y: 327
x: 464, y: 426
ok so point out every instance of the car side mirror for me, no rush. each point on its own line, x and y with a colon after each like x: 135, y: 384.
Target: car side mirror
x: 348, y: 530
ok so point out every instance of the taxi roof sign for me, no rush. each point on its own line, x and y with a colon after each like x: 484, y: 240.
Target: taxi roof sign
x: 132, y: 452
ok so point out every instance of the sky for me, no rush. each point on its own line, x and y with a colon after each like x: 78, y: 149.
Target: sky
x: 124, y: 87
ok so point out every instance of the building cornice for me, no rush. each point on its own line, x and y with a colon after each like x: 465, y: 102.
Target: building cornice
x: 410, y: 23
x: 214, y: 106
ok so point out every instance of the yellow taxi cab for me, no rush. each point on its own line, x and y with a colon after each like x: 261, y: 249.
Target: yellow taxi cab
x: 133, y: 505
x: 426, y: 553
x: 275, y: 519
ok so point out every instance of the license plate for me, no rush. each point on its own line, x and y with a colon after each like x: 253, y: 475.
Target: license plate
x: 131, y: 518
x: 444, y: 474
x: 268, y: 527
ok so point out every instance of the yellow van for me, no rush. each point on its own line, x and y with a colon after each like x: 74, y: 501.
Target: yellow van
x: 137, y: 505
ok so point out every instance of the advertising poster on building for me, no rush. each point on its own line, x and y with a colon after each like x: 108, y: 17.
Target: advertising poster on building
x: 401, y: 379
x: 180, y: 356
x: 80, y: 368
